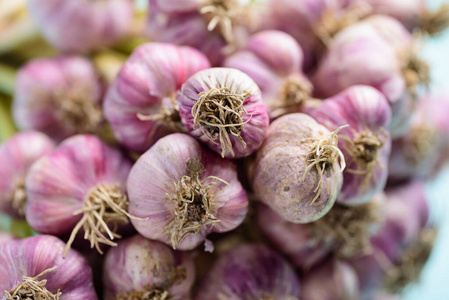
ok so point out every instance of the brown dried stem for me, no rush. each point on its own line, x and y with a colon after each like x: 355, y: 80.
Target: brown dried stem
x: 436, y: 22
x: 363, y: 148
x: 408, y: 267
x: 155, y: 294
x: 194, y: 205
x: 218, y: 113
x: 19, y: 197
x: 349, y: 227
x: 323, y: 152
x: 422, y: 139
x: 104, y: 205
x: 31, y: 288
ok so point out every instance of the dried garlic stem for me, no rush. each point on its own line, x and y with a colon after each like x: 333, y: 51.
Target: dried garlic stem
x: 19, y: 197
x: 350, y: 227
x: 436, y: 22
x: 421, y: 143
x: 224, y: 14
x: 218, y: 113
x: 105, y: 204
x: 414, y: 70
x: 332, y: 22
x: 363, y: 148
x: 411, y: 262
x: 78, y: 110
x: 155, y: 294
x: 194, y: 205
x: 32, y: 288
x: 324, y: 151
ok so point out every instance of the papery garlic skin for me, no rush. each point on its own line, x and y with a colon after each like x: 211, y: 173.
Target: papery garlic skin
x: 249, y: 272
x: 16, y: 157
x: 151, y: 187
x: 145, y: 88
x: 187, y: 23
x: 59, y: 97
x: 61, y: 183
x: 377, y: 52
x: 273, y: 59
x: 141, y: 265
x: 333, y: 280
x: 253, y: 118
x: 31, y: 256
x: 284, y: 177
x: 82, y: 25
x: 365, y: 143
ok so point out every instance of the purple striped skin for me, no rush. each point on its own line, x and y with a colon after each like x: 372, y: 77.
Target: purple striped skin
x: 58, y: 184
x: 16, y: 157
x: 368, y: 53
x: 128, y: 267
x: 249, y: 272
x: 405, y: 161
x: 280, y: 165
x: 83, y: 25
x: 297, y: 241
x: 407, y: 212
x: 31, y: 256
x: 154, y: 175
x: 256, y: 119
x: 42, y: 82
x: 331, y: 280
x: 148, y: 80
x: 364, y: 109
x: 270, y: 58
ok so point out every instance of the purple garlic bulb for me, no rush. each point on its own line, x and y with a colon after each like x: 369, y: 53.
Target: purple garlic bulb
x: 223, y: 108
x: 298, y: 170
x: 424, y: 149
x: 16, y: 157
x: 140, y: 104
x: 144, y: 269
x: 332, y: 280
x: 273, y: 59
x: 185, y: 192
x: 82, y: 25
x: 213, y: 27
x: 365, y: 143
x: 378, y: 52
x: 250, y: 272
x: 33, y: 268
x: 59, y: 96
x: 80, y: 185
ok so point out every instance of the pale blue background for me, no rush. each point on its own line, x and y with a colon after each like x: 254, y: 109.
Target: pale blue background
x: 434, y: 284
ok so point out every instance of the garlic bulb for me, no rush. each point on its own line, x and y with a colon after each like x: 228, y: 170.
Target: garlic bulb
x: 143, y: 269
x: 81, y: 184
x: 82, y: 25
x: 59, y: 96
x: 222, y: 107
x: 185, y: 192
x: 140, y: 104
x: 273, y: 59
x: 16, y: 157
x: 33, y: 268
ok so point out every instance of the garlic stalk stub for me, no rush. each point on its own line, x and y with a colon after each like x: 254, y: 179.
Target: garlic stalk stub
x: 299, y: 168
x: 33, y: 268
x: 365, y: 143
x: 16, y: 157
x: 250, y: 272
x: 83, y: 25
x: 222, y: 107
x: 185, y: 192
x: 59, y: 96
x: 139, y: 268
x: 140, y: 104
x: 80, y: 185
